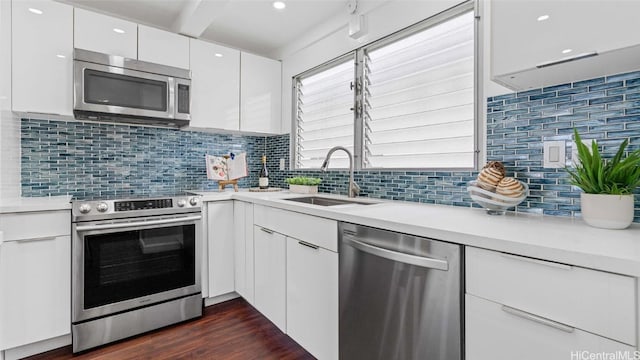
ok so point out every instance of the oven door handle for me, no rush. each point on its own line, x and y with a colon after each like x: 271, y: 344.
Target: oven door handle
x: 137, y: 223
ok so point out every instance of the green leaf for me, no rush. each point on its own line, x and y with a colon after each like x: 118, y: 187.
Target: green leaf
x: 597, y: 175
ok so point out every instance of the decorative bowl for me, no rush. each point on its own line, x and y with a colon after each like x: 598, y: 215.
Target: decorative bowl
x: 495, y: 203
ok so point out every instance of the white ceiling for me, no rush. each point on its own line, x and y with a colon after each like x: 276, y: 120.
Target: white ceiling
x: 252, y: 25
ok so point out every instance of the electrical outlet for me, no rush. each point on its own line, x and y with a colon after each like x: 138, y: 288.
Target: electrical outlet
x: 281, y: 164
x: 574, y: 150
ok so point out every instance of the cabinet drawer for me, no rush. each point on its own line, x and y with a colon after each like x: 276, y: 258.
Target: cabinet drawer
x: 315, y: 230
x: 31, y: 225
x: 594, y: 301
x: 499, y: 333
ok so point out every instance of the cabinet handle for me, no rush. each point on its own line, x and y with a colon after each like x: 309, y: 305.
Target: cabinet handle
x: 266, y: 230
x: 565, y: 60
x: 539, y: 262
x: 538, y: 319
x: 304, y: 243
x: 44, y: 238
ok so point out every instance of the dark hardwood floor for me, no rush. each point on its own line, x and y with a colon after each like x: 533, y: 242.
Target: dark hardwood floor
x: 230, y: 330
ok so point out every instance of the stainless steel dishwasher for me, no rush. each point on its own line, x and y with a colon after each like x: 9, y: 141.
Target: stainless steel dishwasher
x: 400, y: 296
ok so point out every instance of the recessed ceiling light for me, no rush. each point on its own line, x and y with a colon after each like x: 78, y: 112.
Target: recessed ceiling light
x: 279, y: 5
x: 566, y: 51
x: 218, y: 55
x: 61, y: 56
x: 35, y: 11
x: 543, y: 17
x: 119, y: 31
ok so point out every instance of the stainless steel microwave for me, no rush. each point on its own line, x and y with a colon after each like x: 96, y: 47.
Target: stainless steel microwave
x: 114, y: 88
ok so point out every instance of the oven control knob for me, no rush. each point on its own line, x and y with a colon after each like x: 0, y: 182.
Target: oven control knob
x: 102, y: 207
x: 182, y: 203
x: 193, y: 201
x: 84, y: 208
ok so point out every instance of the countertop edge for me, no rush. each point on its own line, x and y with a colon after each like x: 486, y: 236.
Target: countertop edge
x: 603, y: 262
x: 34, y: 204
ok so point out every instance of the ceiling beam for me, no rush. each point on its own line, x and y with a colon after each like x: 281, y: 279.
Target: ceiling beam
x: 197, y: 16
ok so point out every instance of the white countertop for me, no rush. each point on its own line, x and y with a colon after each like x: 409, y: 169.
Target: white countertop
x: 26, y: 204
x: 553, y: 238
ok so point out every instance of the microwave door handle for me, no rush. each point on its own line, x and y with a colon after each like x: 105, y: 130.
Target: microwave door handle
x: 171, y: 81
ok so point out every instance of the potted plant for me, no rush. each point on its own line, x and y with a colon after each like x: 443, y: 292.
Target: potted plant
x: 608, y: 184
x: 303, y: 184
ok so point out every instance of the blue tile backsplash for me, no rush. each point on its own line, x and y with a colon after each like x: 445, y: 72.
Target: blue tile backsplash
x: 90, y: 160
x: 606, y: 109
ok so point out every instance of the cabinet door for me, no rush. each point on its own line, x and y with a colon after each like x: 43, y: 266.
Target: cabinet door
x: 42, y: 57
x: 215, y: 83
x: 36, y: 287
x: 105, y: 34
x: 221, y: 247
x: 162, y: 47
x: 499, y: 333
x: 243, y: 233
x: 260, y: 94
x: 270, y: 275
x: 519, y: 41
x: 312, y: 298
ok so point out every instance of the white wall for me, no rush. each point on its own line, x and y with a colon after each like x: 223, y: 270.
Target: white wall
x: 331, y: 40
x: 9, y: 123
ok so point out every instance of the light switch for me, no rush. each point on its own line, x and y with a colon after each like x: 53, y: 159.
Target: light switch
x: 554, y: 154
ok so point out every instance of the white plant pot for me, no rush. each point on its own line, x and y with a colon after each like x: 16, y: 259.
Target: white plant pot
x: 303, y: 189
x: 607, y: 211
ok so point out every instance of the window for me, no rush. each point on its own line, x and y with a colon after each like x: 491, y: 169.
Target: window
x: 415, y: 100
x: 324, y: 115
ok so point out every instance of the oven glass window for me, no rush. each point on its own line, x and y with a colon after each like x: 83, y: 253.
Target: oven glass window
x: 105, y: 88
x: 130, y: 264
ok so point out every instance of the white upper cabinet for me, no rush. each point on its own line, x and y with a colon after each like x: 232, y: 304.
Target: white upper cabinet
x: 162, y: 47
x: 532, y: 41
x: 42, y: 57
x: 215, y: 84
x: 105, y: 34
x: 260, y: 99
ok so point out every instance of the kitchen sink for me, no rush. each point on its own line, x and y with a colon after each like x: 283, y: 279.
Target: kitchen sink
x: 325, y: 201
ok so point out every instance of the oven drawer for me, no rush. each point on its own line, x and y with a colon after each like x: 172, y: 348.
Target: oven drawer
x: 595, y: 301
x: 34, y: 225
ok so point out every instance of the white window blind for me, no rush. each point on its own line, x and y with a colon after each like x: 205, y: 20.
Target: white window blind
x: 418, y: 108
x: 324, y: 115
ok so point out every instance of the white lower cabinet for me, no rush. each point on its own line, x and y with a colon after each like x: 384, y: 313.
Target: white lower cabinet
x: 220, y: 247
x: 270, y: 275
x: 244, y: 261
x: 526, y: 308
x: 35, y: 299
x: 312, y: 298
x: 498, y: 332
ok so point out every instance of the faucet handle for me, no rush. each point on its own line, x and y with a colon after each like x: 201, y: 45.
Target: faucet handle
x: 354, y: 189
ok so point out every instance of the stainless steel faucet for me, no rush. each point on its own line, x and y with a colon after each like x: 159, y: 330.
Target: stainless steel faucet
x: 354, y: 189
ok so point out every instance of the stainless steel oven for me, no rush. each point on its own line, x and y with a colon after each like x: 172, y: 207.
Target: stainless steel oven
x: 135, y: 267
x: 108, y: 87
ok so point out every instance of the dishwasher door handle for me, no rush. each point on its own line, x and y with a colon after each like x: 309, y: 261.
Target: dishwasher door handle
x: 396, y: 256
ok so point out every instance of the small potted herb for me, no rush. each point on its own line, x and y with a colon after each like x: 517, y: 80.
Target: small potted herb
x: 303, y: 184
x: 608, y: 184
